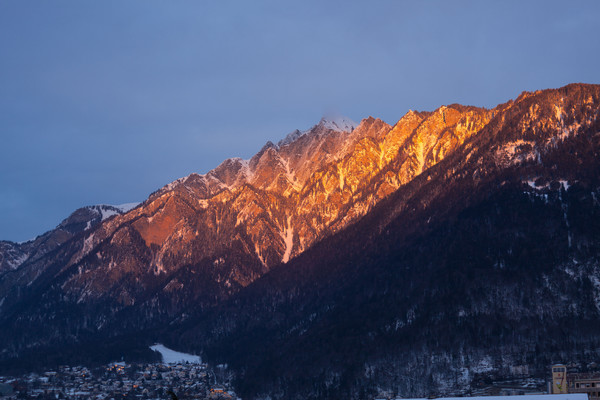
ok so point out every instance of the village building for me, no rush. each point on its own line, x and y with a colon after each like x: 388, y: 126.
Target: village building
x: 575, y: 382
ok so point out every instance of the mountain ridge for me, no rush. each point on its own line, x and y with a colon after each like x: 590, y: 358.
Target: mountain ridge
x: 209, y: 241
x: 13, y: 254
x: 332, y: 312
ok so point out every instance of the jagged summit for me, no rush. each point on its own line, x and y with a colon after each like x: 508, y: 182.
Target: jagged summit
x: 283, y: 166
x: 292, y: 136
x: 338, y: 123
x: 331, y: 122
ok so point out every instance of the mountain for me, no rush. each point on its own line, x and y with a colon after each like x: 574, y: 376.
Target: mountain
x: 12, y: 254
x: 204, y: 237
x: 485, y: 263
x: 348, y: 258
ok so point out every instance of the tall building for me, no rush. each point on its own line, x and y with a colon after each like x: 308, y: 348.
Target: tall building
x: 559, y: 379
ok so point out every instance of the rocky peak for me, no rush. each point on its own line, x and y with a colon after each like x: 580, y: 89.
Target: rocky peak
x: 337, y: 123
x: 290, y: 137
x: 331, y: 122
x: 371, y: 127
x: 231, y: 172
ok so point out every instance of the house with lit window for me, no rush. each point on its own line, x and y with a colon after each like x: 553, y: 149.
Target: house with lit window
x: 580, y: 382
x: 588, y: 383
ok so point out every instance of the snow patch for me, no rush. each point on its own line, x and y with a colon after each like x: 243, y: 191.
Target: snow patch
x: 342, y: 177
x: 176, y: 182
x: 516, y: 152
x: 127, y: 206
x: 334, y: 122
x: 107, y: 213
x: 245, y: 170
x: 288, y: 239
x: 338, y: 123
x: 15, y: 263
x: 88, y: 244
x: 531, y: 183
x: 291, y: 137
x: 565, y: 184
x: 289, y: 174
x: 175, y: 357
x: 259, y: 255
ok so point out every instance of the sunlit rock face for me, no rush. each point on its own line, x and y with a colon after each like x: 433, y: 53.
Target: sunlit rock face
x: 203, y: 237
x: 275, y: 205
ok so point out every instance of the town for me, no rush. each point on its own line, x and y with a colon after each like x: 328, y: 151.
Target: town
x: 196, y: 380
x: 121, y: 380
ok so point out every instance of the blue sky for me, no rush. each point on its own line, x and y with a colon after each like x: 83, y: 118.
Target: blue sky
x: 106, y: 101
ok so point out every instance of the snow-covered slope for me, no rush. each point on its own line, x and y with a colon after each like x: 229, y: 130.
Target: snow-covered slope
x: 338, y: 123
x: 175, y: 357
x: 13, y: 255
